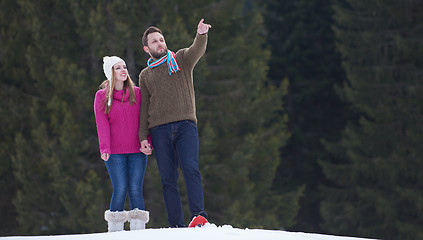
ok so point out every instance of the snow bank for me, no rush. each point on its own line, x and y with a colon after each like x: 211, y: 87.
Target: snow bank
x: 208, y: 232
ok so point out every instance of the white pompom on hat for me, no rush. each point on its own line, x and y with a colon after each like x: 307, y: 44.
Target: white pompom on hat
x: 108, y: 63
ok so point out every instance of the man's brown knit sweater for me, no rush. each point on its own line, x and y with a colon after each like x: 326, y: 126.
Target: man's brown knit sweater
x: 170, y: 98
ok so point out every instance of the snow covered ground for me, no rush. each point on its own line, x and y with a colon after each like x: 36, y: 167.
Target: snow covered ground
x: 208, y: 232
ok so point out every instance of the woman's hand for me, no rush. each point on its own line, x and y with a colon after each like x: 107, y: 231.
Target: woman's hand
x: 105, y: 156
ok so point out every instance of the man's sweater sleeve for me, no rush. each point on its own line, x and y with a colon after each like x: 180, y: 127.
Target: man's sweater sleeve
x: 102, y: 122
x: 145, y: 103
x: 196, y: 50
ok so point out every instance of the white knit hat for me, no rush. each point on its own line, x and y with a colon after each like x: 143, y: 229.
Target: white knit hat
x: 108, y: 63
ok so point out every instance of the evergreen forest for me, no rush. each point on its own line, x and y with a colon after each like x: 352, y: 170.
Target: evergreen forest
x: 308, y: 112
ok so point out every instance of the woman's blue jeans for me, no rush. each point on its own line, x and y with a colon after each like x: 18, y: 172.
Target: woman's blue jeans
x: 127, y: 172
x: 176, y: 144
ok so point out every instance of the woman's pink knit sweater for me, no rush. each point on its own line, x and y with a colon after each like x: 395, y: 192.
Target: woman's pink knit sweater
x: 118, y: 130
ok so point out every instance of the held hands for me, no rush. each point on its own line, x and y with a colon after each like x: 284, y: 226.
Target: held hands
x: 145, y: 147
x: 203, y: 28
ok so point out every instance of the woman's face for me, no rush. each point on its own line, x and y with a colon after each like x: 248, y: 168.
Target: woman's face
x: 120, y: 71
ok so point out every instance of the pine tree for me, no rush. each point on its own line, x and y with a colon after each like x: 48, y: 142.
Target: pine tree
x: 63, y: 186
x: 54, y: 161
x: 376, y: 184
x: 243, y: 127
x: 15, y: 94
x: 303, y: 50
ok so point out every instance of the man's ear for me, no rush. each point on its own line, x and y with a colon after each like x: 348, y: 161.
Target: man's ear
x: 146, y: 49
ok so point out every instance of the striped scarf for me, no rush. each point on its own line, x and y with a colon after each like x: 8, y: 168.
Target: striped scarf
x: 172, y: 64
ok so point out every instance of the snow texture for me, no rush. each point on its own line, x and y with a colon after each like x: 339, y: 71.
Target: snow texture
x: 207, y: 232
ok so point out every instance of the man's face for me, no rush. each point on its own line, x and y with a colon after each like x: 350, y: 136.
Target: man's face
x: 156, y: 45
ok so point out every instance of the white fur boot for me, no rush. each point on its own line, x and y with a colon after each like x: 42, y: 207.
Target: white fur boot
x: 115, y: 220
x: 137, y: 219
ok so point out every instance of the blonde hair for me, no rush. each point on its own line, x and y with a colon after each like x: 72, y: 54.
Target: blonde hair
x: 109, y: 91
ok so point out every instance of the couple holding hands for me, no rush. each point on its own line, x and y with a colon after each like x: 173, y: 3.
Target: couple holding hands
x: 160, y: 114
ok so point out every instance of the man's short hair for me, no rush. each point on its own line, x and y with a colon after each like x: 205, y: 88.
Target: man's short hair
x: 149, y: 30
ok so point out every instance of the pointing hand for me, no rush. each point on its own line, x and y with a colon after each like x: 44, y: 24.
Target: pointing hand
x: 203, y: 28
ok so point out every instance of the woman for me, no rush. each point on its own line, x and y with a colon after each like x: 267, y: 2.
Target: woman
x: 117, y: 108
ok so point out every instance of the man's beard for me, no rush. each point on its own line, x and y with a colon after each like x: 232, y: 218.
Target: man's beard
x: 157, y: 55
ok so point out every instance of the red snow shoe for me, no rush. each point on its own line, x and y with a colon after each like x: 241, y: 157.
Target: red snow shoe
x: 198, y: 221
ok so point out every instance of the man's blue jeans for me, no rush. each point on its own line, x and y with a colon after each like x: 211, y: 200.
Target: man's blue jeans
x: 176, y: 144
x: 127, y: 172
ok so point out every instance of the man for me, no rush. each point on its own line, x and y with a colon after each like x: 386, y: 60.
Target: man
x: 168, y: 115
